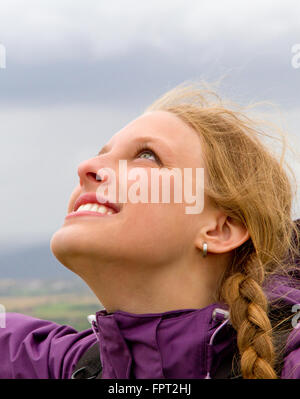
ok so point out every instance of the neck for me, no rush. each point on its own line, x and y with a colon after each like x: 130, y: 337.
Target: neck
x: 136, y: 289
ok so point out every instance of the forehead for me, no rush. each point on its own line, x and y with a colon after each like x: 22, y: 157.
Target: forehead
x: 183, y: 140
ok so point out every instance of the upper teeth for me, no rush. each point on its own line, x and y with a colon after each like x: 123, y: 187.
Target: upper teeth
x: 95, y: 208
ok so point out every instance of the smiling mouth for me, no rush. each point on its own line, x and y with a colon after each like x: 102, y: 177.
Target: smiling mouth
x: 92, y: 207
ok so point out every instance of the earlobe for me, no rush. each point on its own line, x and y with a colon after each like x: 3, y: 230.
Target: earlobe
x: 224, y: 235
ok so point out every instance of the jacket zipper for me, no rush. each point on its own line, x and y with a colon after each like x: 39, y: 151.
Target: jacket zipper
x: 225, y: 315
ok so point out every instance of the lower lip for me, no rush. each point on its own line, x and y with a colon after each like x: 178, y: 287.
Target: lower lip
x: 86, y: 213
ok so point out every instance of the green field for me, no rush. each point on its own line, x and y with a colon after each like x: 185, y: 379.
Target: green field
x: 67, y: 302
x: 67, y: 309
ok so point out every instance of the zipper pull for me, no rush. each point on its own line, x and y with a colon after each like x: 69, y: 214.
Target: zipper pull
x: 92, y: 320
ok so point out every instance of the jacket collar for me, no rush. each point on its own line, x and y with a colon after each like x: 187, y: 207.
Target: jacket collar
x: 184, y: 343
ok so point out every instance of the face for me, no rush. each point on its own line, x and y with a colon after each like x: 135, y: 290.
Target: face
x: 141, y: 234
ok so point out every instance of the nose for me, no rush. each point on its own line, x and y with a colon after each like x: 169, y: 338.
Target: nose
x: 90, y: 174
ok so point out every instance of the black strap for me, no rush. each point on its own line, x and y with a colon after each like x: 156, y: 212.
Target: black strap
x: 228, y: 369
x: 89, y: 365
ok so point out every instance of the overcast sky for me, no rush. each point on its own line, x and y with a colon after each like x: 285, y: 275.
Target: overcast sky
x: 78, y: 71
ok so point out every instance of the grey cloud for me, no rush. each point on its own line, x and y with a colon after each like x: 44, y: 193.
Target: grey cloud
x: 144, y: 74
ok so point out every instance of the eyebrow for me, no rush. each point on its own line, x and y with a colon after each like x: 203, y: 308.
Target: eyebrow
x: 103, y: 150
x: 144, y: 139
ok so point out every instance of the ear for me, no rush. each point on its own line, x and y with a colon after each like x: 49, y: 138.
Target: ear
x: 222, y: 234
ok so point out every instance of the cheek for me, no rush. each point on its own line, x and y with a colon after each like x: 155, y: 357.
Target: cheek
x: 158, y: 232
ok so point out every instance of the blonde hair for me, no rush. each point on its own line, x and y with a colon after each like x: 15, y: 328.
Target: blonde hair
x: 248, y: 182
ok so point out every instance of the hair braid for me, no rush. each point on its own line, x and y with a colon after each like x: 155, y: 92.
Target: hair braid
x: 248, y: 313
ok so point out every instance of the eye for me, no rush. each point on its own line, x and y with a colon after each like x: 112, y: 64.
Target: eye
x: 145, y: 152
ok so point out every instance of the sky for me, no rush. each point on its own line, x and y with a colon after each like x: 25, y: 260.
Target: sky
x: 76, y: 72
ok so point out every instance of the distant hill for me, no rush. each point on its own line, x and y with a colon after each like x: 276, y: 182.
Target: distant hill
x: 34, y: 283
x: 36, y: 262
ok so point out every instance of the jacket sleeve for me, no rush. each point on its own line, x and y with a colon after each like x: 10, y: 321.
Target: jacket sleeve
x: 291, y: 366
x: 31, y: 348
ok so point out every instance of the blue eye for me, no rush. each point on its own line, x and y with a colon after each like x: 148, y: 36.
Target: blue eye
x: 145, y: 152
x: 148, y: 153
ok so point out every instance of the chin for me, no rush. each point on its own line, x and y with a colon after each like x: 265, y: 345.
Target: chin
x: 75, y: 249
x: 67, y: 245
x: 62, y: 248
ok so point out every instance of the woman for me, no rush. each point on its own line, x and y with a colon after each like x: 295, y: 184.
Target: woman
x: 184, y: 293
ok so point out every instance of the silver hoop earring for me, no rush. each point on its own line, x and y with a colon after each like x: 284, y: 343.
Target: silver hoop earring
x: 204, y: 250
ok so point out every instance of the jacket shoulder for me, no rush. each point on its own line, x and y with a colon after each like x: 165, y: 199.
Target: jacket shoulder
x: 291, y: 363
x: 36, y: 348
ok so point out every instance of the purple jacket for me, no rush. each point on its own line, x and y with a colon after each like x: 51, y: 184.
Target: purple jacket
x: 187, y: 343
